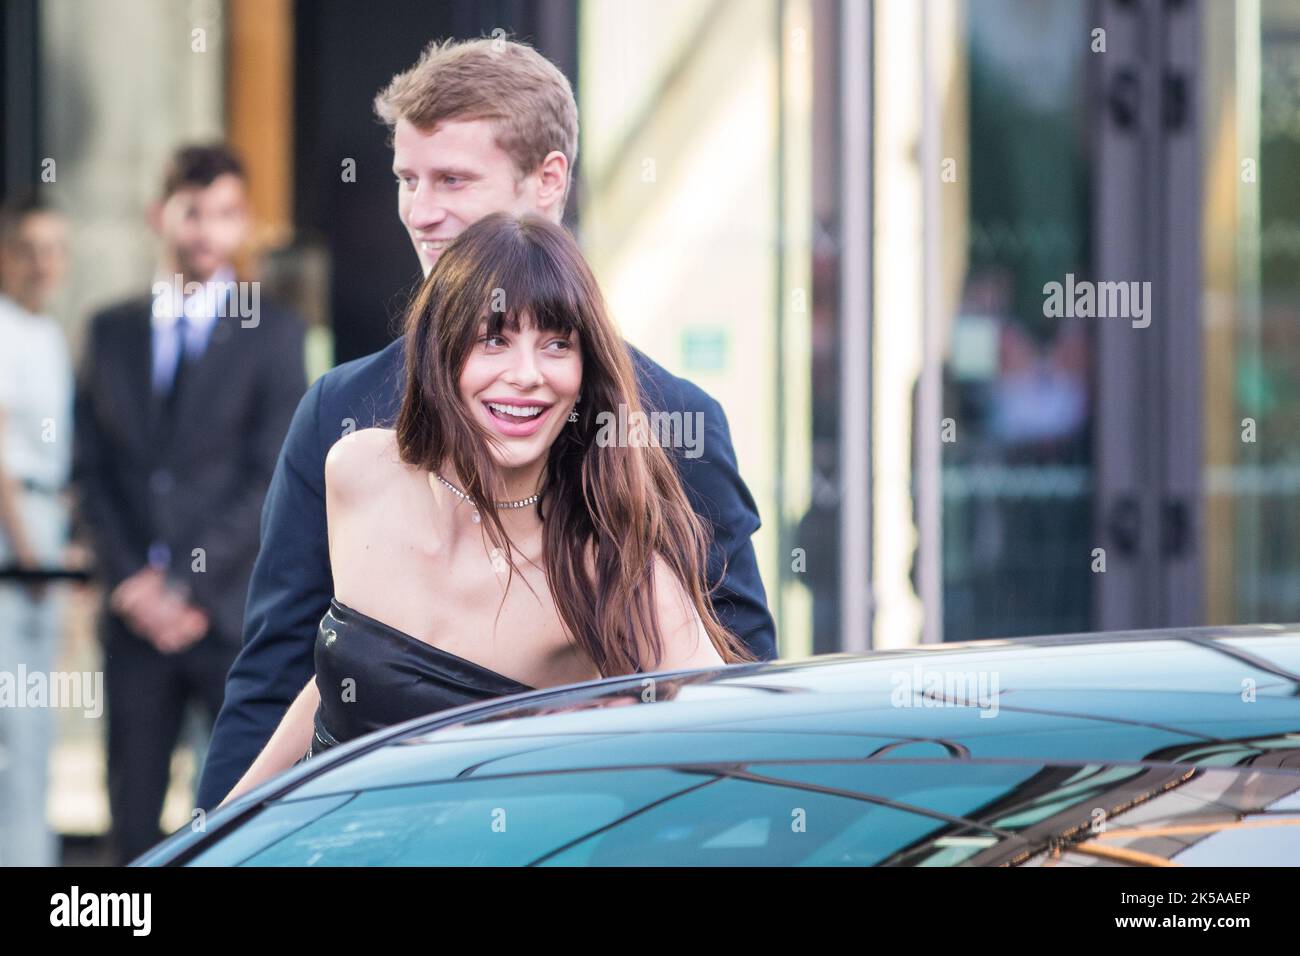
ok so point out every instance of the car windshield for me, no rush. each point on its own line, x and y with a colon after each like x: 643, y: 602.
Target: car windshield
x: 817, y: 812
x: 777, y: 815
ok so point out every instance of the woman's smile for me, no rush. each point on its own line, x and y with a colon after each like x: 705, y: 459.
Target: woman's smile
x: 517, y: 418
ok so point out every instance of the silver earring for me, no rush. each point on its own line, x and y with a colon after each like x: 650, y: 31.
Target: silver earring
x: 573, y: 415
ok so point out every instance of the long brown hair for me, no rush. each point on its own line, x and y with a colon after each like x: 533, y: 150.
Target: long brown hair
x: 621, y: 502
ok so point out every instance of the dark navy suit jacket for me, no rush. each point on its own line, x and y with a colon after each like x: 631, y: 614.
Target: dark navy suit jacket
x: 205, y: 485
x: 292, y: 584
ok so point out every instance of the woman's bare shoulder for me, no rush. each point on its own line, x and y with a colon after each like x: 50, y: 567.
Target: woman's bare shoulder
x: 686, y: 643
x: 362, y: 460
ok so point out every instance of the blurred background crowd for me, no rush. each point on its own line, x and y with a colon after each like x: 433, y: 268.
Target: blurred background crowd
x: 836, y: 216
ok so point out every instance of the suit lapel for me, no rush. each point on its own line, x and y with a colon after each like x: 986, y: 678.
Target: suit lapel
x: 137, y: 359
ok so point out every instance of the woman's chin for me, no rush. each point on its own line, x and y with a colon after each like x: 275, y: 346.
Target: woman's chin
x: 515, y: 461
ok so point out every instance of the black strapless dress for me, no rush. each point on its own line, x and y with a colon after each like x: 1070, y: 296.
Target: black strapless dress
x: 393, y: 675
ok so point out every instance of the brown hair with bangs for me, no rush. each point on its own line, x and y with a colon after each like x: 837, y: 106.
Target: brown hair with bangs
x: 622, y: 506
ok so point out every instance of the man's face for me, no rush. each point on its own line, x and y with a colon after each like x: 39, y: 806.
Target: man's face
x: 34, y: 259
x: 451, y: 177
x: 204, y: 227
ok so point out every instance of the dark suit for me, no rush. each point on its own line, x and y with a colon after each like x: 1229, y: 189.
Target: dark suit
x: 196, y: 487
x: 292, y: 583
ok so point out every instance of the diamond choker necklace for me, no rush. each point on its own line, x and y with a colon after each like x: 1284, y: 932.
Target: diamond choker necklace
x: 521, y: 503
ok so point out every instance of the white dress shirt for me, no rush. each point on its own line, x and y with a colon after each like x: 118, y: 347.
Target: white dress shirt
x: 36, y: 382
x: 201, y: 315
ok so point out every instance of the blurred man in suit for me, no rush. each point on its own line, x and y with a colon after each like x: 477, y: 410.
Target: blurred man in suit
x: 35, y: 452
x: 182, y: 404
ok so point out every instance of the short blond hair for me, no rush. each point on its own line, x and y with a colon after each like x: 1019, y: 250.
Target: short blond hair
x: 525, y: 95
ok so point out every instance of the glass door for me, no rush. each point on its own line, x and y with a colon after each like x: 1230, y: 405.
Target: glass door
x: 1040, y: 212
x: 1250, y: 310
x: 985, y: 396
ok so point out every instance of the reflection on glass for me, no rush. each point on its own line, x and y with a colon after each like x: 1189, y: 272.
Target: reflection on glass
x: 1251, y: 311
x: 1017, y: 386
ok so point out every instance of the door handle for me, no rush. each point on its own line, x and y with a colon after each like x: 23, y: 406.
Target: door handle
x: 1125, y: 524
x: 1124, y: 98
x: 1175, y: 526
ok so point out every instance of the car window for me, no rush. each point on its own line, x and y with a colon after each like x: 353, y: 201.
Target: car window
x: 737, y: 822
x: 264, y: 829
x: 494, y: 822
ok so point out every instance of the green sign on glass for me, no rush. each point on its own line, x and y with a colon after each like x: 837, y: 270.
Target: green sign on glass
x: 704, y: 350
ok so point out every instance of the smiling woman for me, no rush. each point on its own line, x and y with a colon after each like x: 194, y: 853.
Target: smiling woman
x: 490, y: 458
x: 507, y: 335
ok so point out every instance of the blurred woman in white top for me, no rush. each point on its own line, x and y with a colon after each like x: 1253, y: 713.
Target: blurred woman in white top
x: 36, y: 388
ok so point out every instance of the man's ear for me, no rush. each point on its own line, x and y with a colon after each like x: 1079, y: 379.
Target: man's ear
x: 154, y: 214
x: 552, y: 182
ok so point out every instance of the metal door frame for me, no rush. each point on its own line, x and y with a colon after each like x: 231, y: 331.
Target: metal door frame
x: 1146, y: 227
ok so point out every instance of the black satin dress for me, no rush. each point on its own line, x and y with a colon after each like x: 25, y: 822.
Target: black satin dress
x: 395, y: 677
